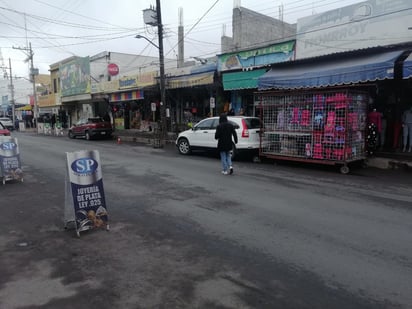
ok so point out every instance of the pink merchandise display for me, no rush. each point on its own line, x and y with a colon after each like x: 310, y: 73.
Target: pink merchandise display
x: 325, y: 127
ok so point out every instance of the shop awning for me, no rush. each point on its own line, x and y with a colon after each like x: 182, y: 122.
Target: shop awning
x: 126, y: 96
x: 191, y: 80
x: 407, y: 67
x: 242, y: 80
x: 27, y: 107
x: 356, y: 69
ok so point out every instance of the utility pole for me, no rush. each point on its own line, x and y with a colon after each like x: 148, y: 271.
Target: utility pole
x: 154, y: 18
x: 162, y: 71
x: 13, y: 105
x: 33, y: 79
x: 33, y: 73
x: 5, y: 74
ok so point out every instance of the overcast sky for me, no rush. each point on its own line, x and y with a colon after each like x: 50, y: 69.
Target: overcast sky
x: 58, y: 29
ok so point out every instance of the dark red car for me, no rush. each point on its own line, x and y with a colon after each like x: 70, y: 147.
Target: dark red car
x: 3, y: 130
x: 91, y: 128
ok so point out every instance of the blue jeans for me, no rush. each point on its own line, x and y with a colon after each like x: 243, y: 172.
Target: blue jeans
x: 226, y: 160
x: 407, y: 132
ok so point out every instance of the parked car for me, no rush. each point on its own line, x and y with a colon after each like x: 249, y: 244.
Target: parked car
x: 90, y: 128
x: 202, y: 136
x: 7, y: 122
x: 3, y: 130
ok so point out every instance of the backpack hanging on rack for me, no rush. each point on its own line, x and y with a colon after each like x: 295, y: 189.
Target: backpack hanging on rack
x: 371, y: 139
x: 329, y: 130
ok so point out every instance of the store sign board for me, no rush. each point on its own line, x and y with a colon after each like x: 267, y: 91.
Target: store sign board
x: 105, y: 87
x: 147, y: 79
x: 212, y: 102
x: 362, y: 25
x: 96, y: 88
x: 46, y: 100
x: 113, y: 69
x: 190, y: 80
x: 10, y: 165
x: 153, y: 106
x: 84, y: 191
x: 128, y: 82
x: 119, y: 123
x: 111, y: 86
x: 256, y: 57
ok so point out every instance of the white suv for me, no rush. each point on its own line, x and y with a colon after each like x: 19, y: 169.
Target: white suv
x: 6, y: 121
x: 202, y: 136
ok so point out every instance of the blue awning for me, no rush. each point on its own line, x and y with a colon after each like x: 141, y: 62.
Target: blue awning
x: 362, y: 68
x: 407, y: 67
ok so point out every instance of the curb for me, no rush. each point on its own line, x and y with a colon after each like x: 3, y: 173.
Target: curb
x: 387, y: 163
x: 141, y: 140
x: 377, y: 162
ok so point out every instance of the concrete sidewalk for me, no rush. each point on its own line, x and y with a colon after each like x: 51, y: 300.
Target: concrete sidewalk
x: 382, y: 160
x: 135, y: 136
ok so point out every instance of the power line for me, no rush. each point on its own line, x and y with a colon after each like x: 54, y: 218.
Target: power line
x: 84, y: 16
x: 93, y: 27
x: 111, y: 34
x: 58, y: 36
x: 63, y: 23
x: 199, y: 20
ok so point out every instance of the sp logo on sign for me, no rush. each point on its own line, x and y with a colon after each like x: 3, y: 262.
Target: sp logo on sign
x: 84, y: 166
x: 8, y: 146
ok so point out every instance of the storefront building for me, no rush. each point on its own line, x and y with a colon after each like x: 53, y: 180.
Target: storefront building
x: 74, y: 81
x: 107, y: 84
x: 129, y: 100
x: 361, y: 47
x: 372, y: 83
x: 240, y: 72
x: 189, y: 91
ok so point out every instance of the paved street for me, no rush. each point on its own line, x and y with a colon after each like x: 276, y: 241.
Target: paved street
x: 184, y: 236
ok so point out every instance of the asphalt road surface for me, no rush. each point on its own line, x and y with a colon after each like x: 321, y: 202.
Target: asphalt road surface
x: 182, y: 235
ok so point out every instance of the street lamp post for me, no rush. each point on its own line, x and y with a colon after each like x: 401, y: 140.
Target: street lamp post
x: 11, y: 87
x: 162, y: 71
x: 143, y: 37
x: 33, y: 78
x: 163, y: 125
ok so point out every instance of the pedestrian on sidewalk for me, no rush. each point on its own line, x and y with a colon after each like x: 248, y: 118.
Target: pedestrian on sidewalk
x: 224, y: 132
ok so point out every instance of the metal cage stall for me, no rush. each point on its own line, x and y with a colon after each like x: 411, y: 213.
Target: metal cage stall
x: 325, y: 127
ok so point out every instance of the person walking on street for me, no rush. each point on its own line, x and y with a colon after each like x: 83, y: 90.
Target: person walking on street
x: 224, y: 132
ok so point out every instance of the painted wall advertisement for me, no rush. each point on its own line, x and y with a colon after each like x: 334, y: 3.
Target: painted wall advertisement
x: 361, y: 25
x: 75, y: 76
x: 10, y: 165
x: 85, y: 192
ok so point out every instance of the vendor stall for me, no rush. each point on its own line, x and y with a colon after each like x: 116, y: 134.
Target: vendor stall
x: 325, y: 127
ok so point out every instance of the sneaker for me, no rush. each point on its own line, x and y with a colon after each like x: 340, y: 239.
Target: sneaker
x: 224, y: 172
x: 231, y: 170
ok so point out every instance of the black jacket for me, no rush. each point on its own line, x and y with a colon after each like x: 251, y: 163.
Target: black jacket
x: 224, y: 132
